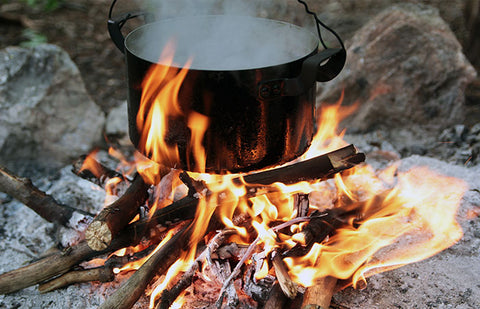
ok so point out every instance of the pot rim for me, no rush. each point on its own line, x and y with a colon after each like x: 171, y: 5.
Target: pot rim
x: 305, y: 43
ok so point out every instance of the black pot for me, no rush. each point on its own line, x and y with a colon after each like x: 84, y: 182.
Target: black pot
x: 253, y: 78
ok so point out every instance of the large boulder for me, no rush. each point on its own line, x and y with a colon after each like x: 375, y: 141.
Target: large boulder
x: 406, y: 70
x: 46, y: 115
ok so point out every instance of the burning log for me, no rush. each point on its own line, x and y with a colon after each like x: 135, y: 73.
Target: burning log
x: 128, y: 294
x: 116, y: 216
x: 318, y: 168
x: 43, y: 204
x: 102, y: 274
x: 90, y: 169
x: 320, y: 294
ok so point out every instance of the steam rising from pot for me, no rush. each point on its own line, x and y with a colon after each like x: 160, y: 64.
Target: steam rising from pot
x: 230, y: 41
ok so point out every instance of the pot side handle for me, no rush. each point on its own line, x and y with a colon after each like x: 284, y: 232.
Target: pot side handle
x: 115, y: 25
x: 321, y: 67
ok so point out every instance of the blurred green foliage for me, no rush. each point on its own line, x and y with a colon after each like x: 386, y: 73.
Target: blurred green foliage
x: 32, y: 38
x: 46, y: 5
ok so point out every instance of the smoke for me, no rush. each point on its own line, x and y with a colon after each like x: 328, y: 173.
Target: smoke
x: 237, y: 39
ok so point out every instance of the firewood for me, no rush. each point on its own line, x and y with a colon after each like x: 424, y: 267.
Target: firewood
x: 60, y: 262
x: 318, y: 168
x: 289, y: 287
x: 320, y: 294
x: 102, y: 274
x: 23, y: 190
x: 116, y: 216
x: 131, y: 290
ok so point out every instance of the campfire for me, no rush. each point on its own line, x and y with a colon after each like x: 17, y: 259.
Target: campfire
x: 293, y: 233
x: 286, y: 234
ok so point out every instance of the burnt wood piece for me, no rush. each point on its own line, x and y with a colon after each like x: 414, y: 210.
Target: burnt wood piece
x: 169, y: 296
x: 320, y: 294
x: 23, y: 190
x: 318, y: 168
x: 102, y: 274
x: 131, y: 290
x: 117, y: 215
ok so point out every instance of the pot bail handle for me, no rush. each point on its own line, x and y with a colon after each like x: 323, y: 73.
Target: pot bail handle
x: 115, y: 25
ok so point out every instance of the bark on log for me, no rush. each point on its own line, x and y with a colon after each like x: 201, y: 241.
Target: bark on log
x: 319, y: 295
x: 128, y: 294
x: 317, y: 168
x: 102, y: 274
x: 116, y: 216
x: 23, y: 190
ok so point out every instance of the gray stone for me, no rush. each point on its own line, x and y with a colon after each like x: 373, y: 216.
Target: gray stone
x: 406, y: 70
x: 46, y: 115
x: 117, y: 121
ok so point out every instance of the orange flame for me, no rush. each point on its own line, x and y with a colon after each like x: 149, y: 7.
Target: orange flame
x: 159, y: 104
x: 399, y: 217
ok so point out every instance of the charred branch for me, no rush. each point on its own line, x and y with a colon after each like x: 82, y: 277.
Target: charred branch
x: 23, y: 190
x: 61, y: 262
x: 94, y: 172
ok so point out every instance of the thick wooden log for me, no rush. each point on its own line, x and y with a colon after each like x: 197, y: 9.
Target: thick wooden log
x: 116, y: 216
x: 319, y: 295
x: 23, y: 190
